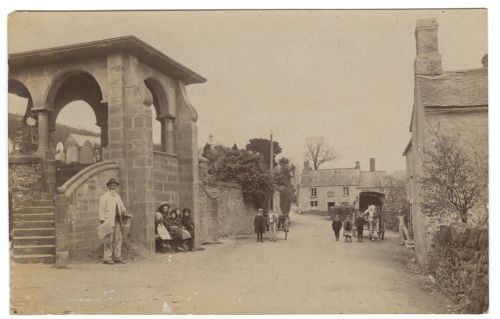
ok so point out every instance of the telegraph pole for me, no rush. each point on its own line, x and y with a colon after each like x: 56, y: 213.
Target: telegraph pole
x: 271, y: 164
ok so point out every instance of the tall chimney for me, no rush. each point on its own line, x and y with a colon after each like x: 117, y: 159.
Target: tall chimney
x: 428, y: 60
x: 306, y: 165
x: 372, y: 164
x: 357, y: 166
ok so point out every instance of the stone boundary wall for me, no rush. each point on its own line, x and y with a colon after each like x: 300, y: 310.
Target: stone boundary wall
x: 461, y: 266
x: 77, y: 210
x: 223, y: 212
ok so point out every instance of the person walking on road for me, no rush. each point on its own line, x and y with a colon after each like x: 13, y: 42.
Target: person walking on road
x: 348, y: 229
x: 259, y: 223
x: 403, y: 230
x: 336, y: 226
x: 360, y: 224
x: 112, y: 211
x: 273, y: 225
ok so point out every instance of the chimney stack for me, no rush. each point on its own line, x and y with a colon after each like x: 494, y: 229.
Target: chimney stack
x: 306, y: 166
x: 372, y: 164
x: 428, y: 60
x: 357, y: 165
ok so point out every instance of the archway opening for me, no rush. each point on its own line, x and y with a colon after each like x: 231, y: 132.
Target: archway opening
x: 158, y: 109
x: 78, y: 124
x: 22, y: 132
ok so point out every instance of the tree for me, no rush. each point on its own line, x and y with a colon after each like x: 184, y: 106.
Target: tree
x: 319, y: 151
x: 262, y: 146
x: 244, y: 168
x: 283, y: 172
x: 453, y: 181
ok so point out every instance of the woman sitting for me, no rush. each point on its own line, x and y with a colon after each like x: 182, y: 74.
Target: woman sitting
x: 177, y: 231
x: 188, y: 224
x: 164, y: 237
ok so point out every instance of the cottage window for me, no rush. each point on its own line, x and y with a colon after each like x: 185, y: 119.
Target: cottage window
x: 314, y: 192
x: 346, y: 191
x: 314, y: 203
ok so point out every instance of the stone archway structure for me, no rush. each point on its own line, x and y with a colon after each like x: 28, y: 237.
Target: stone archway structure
x: 120, y: 78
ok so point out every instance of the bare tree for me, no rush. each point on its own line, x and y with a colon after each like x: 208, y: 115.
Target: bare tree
x: 454, y: 180
x: 318, y: 151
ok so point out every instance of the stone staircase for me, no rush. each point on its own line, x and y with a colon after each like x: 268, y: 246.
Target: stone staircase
x: 34, y: 233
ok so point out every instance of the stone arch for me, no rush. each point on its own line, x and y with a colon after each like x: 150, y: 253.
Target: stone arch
x: 60, y: 79
x: 160, y: 100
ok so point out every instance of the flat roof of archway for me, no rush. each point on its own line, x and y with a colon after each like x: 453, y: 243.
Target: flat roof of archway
x: 130, y: 44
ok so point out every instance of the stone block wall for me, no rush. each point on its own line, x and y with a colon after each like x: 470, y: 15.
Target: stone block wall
x: 461, y: 266
x: 165, y: 177
x: 207, y: 207
x: 77, y: 209
x: 223, y: 212
x: 30, y: 178
x: 233, y: 215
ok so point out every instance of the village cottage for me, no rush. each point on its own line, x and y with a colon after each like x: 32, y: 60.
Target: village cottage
x: 322, y: 190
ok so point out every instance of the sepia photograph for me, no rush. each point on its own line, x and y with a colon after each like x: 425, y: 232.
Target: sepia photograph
x: 248, y: 162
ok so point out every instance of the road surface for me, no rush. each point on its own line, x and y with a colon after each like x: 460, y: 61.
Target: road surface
x: 310, y: 273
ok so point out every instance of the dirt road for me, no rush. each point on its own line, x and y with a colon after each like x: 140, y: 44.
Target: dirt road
x: 308, y: 273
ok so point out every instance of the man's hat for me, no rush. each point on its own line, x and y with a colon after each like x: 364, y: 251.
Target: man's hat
x: 112, y: 181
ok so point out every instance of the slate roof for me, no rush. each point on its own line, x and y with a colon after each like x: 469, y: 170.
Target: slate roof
x: 454, y: 89
x: 330, y: 177
x: 341, y: 177
x: 371, y: 179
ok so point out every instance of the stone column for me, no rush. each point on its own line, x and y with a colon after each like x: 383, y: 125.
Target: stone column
x: 104, y: 138
x: 43, y: 132
x: 167, y: 132
x: 130, y: 143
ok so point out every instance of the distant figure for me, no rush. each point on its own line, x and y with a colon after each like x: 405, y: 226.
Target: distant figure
x: 336, y: 226
x: 381, y: 228
x: 403, y: 230
x: 273, y: 225
x: 348, y: 229
x: 259, y: 223
x: 360, y: 224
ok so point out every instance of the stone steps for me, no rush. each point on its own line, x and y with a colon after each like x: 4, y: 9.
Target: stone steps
x: 34, y: 210
x: 34, y: 233
x: 23, y: 250
x: 23, y: 232
x: 34, y: 217
x: 23, y: 224
x: 35, y: 259
x: 34, y: 240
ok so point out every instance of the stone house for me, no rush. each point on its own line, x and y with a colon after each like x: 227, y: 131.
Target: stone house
x: 323, y: 189
x: 453, y: 103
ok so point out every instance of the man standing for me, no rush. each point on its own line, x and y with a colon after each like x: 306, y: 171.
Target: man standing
x: 111, y: 210
x: 259, y: 224
x: 370, y: 212
x: 336, y: 226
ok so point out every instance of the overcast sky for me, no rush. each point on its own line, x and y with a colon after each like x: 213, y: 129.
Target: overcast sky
x: 345, y: 75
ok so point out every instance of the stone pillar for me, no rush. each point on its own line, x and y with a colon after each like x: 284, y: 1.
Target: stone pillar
x: 104, y: 138
x: 130, y: 143
x: 186, y: 147
x: 43, y: 132
x: 167, y: 132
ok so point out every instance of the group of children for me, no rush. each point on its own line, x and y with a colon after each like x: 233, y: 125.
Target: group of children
x: 272, y: 223
x: 370, y: 216
x: 174, y: 230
